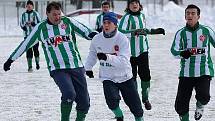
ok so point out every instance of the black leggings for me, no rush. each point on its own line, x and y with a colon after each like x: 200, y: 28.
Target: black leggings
x: 34, y: 49
x: 185, y: 88
x: 140, y: 65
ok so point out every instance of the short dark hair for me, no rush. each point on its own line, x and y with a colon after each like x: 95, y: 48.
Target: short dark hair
x: 193, y: 6
x: 53, y: 5
x: 106, y: 3
x: 130, y: 1
x: 29, y: 2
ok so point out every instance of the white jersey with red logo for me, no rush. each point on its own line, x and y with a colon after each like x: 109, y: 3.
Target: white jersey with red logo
x: 117, y: 67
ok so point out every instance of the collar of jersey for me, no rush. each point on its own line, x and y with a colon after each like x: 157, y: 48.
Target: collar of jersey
x: 29, y: 11
x: 110, y: 34
x: 195, y: 27
x: 49, y: 22
x: 134, y: 13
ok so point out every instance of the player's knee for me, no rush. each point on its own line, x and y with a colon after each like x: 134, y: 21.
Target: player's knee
x: 138, y: 112
x: 83, y: 106
x: 145, y: 77
x: 29, y: 55
x: 112, y: 104
x: 68, y: 96
x: 204, y: 99
x: 36, y: 54
x: 180, y: 109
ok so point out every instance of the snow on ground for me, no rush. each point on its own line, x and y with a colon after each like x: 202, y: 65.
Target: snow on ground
x: 35, y: 97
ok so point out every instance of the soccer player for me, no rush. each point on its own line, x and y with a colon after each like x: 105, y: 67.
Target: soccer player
x: 133, y: 25
x: 192, y: 46
x: 29, y: 19
x: 57, y: 35
x: 112, y: 49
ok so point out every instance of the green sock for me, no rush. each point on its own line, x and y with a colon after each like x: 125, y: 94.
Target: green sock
x: 80, y: 116
x: 118, y: 112
x: 29, y: 62
x: 145, y: 90
x: 139, y: 119
x: 65, y: 111
x: 37, y: 60
x: 184, y: 117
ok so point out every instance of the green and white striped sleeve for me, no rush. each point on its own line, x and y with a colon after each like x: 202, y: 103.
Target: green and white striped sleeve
x: 212, y: 36
x: 124, y: 25
x: 27, y: 43
x: 38, y: 18
x: 177, y: 44
x: 80, y: 29
x: 22, y: 20
x: 98, y: 21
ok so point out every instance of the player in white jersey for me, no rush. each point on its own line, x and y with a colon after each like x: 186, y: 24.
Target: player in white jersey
x: 112, y: 49
x: 57, y: 35
x: 28, y: 21
x: 192, y: 46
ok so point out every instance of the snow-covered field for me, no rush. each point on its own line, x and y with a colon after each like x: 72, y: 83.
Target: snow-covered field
x: 35, y: 97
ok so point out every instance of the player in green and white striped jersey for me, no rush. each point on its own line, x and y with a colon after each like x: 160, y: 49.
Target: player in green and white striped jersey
x: 192, y: 46
x: 134, y: 26
x: 58, y: 38
x: 28, y: 21
x: 99, y: 19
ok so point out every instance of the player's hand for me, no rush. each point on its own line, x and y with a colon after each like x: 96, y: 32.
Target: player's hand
x: 28, y: 23
x: 7, y: 64
x: 33, y: 24
x: 185, y: 54
x: 102, y: 56
x: 24, y: 28
x: 92, y: 34
x: 90, y: 74
x: 158, y: 31
x: 139, y: 32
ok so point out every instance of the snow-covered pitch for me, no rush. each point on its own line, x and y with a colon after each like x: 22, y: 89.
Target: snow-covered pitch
x: 35, y: 97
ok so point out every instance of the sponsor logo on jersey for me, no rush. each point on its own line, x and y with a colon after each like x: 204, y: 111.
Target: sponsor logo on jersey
x: 197, y: 51
x: 202, y: 38
x: 57, y: 40
x: 116, y: 50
